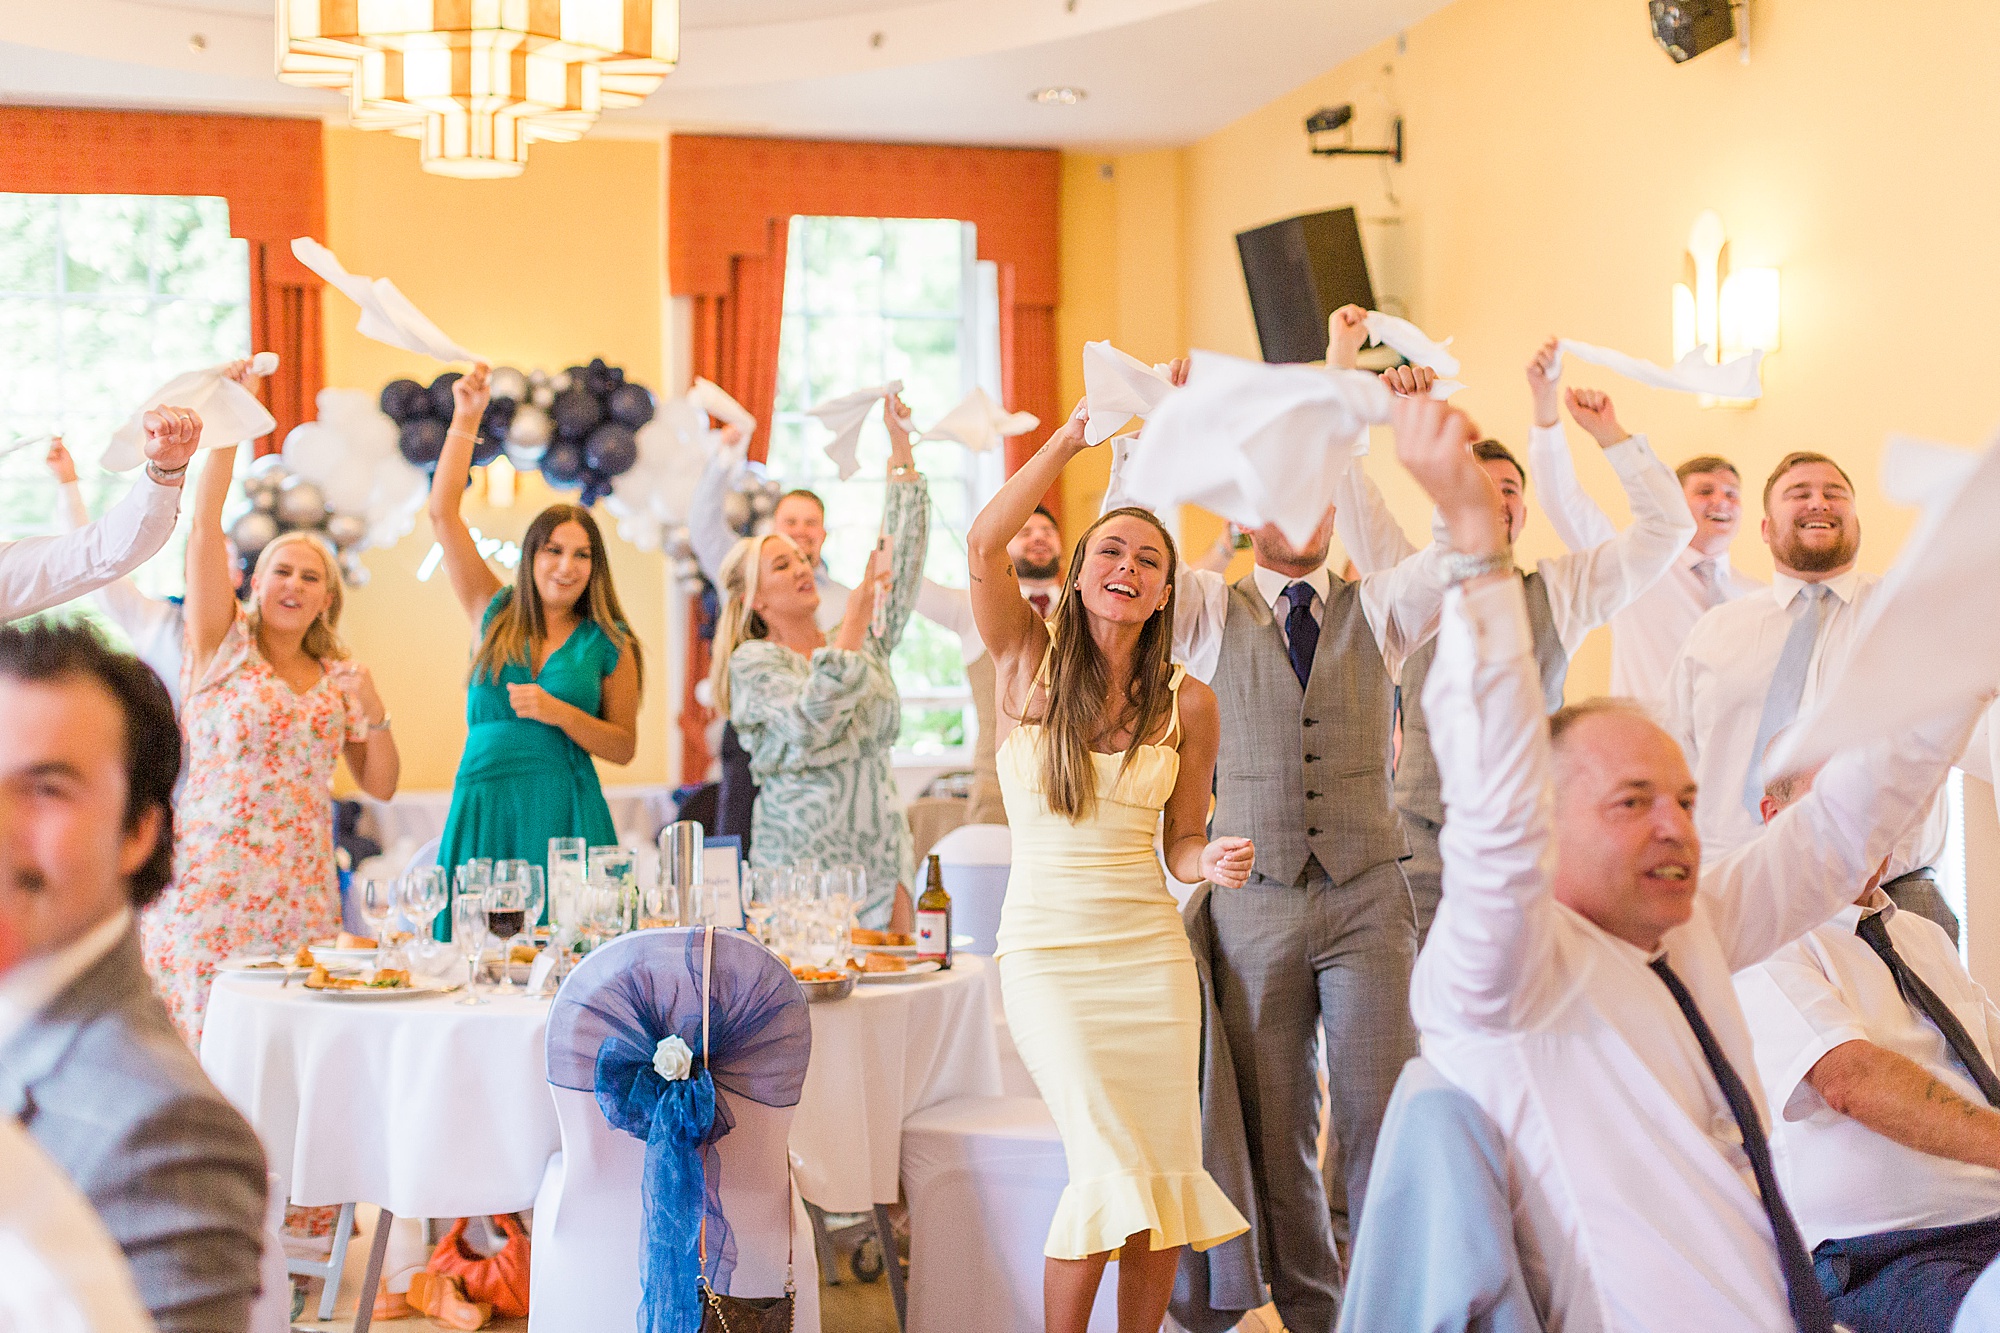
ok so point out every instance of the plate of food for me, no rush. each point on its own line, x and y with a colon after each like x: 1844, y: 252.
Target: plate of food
x: 883, y: 942
x: 274, y: 967
x: 385, y: 984
x: 888, y: 968
x: 823, y: 983
x: 346, y: 948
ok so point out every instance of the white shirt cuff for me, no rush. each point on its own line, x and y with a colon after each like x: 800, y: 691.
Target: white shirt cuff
x: 1631, y: 456
x: 1497, y: 615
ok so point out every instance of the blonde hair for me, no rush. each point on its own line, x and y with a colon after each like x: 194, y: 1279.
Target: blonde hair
x: 521, y: 621
x: 321, y: 640
x: 736, y: 624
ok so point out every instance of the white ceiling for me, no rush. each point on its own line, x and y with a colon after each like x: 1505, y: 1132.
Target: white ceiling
x: 951, y: 71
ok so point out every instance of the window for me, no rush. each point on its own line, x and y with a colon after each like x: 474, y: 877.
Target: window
x: 868, y: 300
x: 103, y: 298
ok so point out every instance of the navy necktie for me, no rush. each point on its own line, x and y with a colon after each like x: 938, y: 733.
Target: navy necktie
x: 1301, y: 630
x: 1874, y: 931
x: 1808, y: 1298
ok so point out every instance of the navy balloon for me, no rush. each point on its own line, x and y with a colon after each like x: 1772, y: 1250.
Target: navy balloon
x: 442, y: 404
x: 631, y: 406
x: 595, y: 487
x: 562, y: 464
x: 422, y: 441
x: 577, y: 412
x: 611, y: 450
x: 499, y: 416
x: 489, y: 448
x: 403, y: 399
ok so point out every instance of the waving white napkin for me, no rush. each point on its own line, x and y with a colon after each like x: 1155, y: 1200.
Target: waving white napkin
x: 980, y: 424
x: 1691, y: 374
x: 387, y: 315
x: 1256, y: 443
x: 844, y: 416
x: 1118, y: 386
x: 1941, y: 593
x: 1411, y: 343
x: 230, y: 413
x: 715, y: 400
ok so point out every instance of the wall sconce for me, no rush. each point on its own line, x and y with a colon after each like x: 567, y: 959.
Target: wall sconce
x: 1728, y: 312
x: 500, y: 482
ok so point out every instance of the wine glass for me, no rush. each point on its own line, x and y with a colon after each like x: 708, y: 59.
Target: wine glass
x: 468, y: 930
x: 421, y: 899
x: 506, y: 913
x: 535, y: 881
x: 374, y: 901
x: 760, y: 900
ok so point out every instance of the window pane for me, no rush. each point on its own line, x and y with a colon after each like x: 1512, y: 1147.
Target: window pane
x: 107, y: 244
x: 28, y: 242
x: 922, y: 267
x: 195, y: 254
x: 924, y: 354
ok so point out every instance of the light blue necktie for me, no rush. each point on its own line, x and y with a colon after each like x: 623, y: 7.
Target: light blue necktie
x: 1788, y: 684
x: 1710, y: 578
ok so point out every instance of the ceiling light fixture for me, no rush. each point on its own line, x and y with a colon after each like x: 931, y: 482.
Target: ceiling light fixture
x: 1061, y: 95
x: 477, y: 81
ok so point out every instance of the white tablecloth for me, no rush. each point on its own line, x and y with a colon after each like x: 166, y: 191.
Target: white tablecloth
x: 878, y: 1057
x: 413, y: 818
x: 425, y: 1107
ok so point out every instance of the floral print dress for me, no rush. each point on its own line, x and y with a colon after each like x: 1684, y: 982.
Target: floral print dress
x: 253, y: 854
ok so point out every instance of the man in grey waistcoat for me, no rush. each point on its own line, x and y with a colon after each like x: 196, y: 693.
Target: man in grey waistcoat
x: 90, y: 1065
x: 1322, y: 939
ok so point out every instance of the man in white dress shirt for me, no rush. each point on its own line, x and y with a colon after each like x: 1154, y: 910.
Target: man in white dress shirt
x: 1876, y: 1051
x: 37, y: 573
x: 1577, y: 980
x: 1753, y: 666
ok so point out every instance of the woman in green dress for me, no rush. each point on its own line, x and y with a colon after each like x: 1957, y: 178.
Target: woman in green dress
x: 555, y: 678
x: 819, y: 713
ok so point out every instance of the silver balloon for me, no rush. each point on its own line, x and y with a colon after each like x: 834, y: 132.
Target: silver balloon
x: 542, y: 396
x: 257, y: 484
x: 679, y: 543
x: 253, y: 532
x: 265, y: 501
x: 270, y: 465
x: 524, y: 458
x: 507, y: 382
x: 301, y: 504
x: 346, y: 530
x: 761, y: 504
x: 688, y: 570
x: 736, y: 512
x: 352, y: 570
x: 531, y: 429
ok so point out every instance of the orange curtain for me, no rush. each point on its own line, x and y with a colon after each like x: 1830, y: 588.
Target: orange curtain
x: 730, y: 202
x: 267, y: 168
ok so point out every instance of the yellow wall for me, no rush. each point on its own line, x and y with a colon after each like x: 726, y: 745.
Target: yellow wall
x: 562, y: 264
x: 1556, y: 161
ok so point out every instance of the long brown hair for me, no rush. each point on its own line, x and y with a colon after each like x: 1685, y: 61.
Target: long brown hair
x: 737, y: 623
x: 521, y: 622
x: 322, y: 638
x: 1080, y: 681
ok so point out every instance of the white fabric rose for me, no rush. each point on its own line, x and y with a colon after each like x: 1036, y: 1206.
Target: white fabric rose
x: 673, y: 1060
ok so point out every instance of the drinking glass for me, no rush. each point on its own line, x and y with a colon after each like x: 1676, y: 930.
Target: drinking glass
x: 760, y: 900
x: 618, y: 865
x: 506, y: 913
x: 374, y: 901
x: 536, y: 884
x: 567, y: 874
x: 468, y: 930
x: 421, y: 899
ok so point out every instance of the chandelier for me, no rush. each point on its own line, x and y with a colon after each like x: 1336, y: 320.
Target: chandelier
x: 477, y: 81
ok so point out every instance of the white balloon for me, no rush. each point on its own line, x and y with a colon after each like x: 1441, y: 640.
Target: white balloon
x: 321, y: 455
x: 507, y: 382
x: 532, y: 428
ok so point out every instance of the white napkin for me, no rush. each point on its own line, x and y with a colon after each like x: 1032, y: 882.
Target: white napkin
x: 1692, y: 374
x: 386, y: 314
x: 1118, y: 386
x: 714, y: 400
x: 1255, y: 443
x: 230, y: 413
x: 844, y: 416
x: 1940, y: 593
x: 1412, y: 344
x: 979, y: 424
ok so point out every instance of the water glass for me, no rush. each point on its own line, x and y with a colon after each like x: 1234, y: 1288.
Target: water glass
x: 566, y: 878
x: 374, y: 903
x: 536, y: 883
x: 760, y: 900
x: 468, y: 930
x: 421, y: 898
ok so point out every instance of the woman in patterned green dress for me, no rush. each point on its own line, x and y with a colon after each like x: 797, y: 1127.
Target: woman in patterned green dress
x: 819, y: 715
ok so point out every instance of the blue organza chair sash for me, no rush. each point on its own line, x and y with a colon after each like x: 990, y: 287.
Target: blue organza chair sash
x: 605, y: 1027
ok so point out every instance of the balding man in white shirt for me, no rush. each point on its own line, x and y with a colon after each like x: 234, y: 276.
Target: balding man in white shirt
x: 1876, y: 1050
x: 37, y: 573
x: 1577, y: 980
x: 1752, y: 666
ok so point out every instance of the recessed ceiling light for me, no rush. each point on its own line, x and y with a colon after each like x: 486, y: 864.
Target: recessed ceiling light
x: 1062, y: 95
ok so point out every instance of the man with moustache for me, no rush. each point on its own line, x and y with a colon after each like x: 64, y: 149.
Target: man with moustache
x: 1752, y: 666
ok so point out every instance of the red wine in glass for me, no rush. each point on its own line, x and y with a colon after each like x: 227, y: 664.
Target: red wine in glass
x: 505, y: 923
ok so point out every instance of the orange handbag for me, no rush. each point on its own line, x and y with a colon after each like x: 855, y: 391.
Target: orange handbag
x: 501, y: 1280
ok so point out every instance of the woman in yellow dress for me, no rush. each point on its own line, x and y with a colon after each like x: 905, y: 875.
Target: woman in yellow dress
x: 1099, y: 733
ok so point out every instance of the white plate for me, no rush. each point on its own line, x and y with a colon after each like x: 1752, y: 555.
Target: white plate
x: 915, y: 972
x: 893, y: 950
x: 421, y: 988
x: 246, y: 966
x: 327, y: 953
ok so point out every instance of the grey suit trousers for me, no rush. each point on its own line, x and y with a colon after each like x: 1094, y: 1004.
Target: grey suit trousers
x: 1295, y: 961
x: 1424, y: 870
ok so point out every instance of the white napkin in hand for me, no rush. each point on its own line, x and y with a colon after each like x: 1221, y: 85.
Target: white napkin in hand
x: 1940, y: 596
x: 1254, y: 443
x: 979, y: 424
x: 1691, y: 374
x: 844, y: 416
x: 714, y: 400
x: 1412, y: 344
x: 387, y: 315
x: 230, y: 413
x: 1118, y: 386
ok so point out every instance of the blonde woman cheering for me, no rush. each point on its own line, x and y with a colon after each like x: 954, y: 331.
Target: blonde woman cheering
x: 818, y: 715
x: 1100, y: 732
x: 270, y: 702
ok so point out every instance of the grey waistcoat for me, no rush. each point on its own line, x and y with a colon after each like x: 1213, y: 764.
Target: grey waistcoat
x: 1417, y: 777
x: 1305, y: 772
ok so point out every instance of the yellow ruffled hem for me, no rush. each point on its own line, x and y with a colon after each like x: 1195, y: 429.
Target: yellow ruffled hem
x: 1096, y: 1215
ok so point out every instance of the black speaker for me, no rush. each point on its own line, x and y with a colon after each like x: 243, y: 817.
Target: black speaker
x: 1686, y: 28
x: 1299, y: 272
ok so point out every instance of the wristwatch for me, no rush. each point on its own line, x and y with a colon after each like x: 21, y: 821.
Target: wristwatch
x: 1462, y: 568
x: 166, y: 476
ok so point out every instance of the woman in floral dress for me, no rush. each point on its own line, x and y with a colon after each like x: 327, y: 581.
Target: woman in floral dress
x: 819, y: 715
x: 270, y: 703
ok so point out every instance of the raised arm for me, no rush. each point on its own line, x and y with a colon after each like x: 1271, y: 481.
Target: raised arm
x: 1013, y: 633
x: 1374, y: 540
x: 709, y: 532
x: 472, y: 579
x: 1572, y: 514
x: 130, y: 609
x: 210, y: 608
x: 906, y: 523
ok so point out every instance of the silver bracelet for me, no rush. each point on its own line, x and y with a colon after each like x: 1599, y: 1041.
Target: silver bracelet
x: 1462, y: 568
x: 383, y: 725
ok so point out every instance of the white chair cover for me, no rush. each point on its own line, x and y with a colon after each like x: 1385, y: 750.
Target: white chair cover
x: 588, y: 1214
x: 982, y: 1176
x: 975, y: 859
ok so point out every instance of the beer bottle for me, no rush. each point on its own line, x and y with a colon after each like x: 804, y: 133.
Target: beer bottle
x: 934, y: 919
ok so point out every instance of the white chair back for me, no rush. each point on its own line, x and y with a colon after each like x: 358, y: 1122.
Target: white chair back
x: 426, y: 855
x: 975, y: 860
x: 976, y: 845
